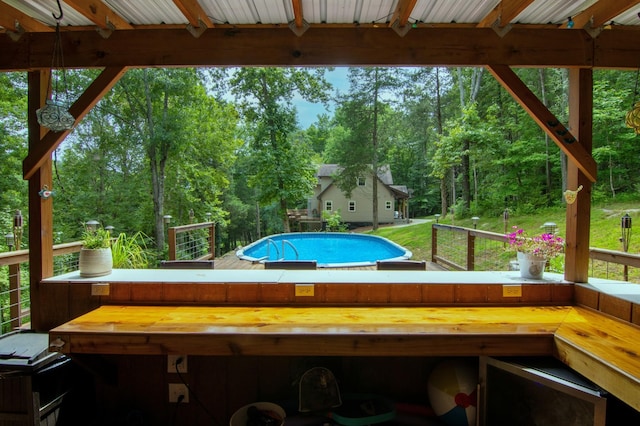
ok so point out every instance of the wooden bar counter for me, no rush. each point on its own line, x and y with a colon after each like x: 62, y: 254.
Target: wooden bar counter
x: 244, y: 314
x: 354, y: 331
x: 603, y: 349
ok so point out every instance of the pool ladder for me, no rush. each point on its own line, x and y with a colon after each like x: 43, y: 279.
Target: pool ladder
x: 284, y: 244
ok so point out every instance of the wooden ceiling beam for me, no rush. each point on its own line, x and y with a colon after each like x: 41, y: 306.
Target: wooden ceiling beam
x: 14, y: 20
x: 546, y: 120
x: 601, y: 13
x: 298, y: 14
x: 41, y: 153
x: 403, y: 12
x: 100, y: 14
x: 195, y: 14
x: 422, y: 46
x: 504, y: 12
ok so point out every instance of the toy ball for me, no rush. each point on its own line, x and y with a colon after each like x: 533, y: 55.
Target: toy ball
x: 452, y: 389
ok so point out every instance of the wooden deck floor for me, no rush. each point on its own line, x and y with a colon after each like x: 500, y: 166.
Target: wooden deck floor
x: 231, y: 261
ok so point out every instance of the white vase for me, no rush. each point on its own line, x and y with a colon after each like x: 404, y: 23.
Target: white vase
x: 95, y: 262
x: 531, y: 266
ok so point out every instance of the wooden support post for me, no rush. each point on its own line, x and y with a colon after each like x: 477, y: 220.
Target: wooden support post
x: 434, y: 243
x: 212, y: 240
x: 40, y: 209
x: 471, y: 250
x: 171, y: 237
x: 579, y: 213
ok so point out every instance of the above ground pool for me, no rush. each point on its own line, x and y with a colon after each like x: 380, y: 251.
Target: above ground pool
x: 328, y: 249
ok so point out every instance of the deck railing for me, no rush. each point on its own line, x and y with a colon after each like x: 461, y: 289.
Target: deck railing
x: 15, y: 304
x: 465, y: 249
x: 192, y: 242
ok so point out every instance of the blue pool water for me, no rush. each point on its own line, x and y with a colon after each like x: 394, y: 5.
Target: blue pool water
x: 326, y: 248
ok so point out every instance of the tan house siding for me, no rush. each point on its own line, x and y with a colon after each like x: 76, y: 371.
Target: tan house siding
x: 361, y: 196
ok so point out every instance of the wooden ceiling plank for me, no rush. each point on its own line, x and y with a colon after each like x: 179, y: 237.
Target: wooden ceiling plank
x: 195, y: 14
x: 505, y: 11
x: 13, y: 20
x: 41, y: 153
x: 100, y: 14
x: 403, y: 12
x: 298, y: 14
x: 601, y: 13
x: 545, y: 119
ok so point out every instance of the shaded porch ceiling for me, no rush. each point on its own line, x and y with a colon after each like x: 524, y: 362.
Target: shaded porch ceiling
x: 142, y: 33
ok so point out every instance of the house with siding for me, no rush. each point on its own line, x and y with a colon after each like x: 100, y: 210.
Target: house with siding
x: 357, y: 209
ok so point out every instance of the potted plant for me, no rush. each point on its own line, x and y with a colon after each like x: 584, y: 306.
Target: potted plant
x: 534, y: 252
x: 95, y: 255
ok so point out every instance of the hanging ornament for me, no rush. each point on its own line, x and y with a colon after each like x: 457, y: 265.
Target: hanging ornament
x: 571, y: 196
x: 632, y: 119
x: 55, y: 114
x: 45, y: 192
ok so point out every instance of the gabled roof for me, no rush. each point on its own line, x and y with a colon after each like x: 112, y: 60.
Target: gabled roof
x: 329, y: 170
x: 384, y: 176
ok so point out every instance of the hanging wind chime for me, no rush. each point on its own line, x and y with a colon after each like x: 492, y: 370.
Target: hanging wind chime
x: 55, y: 114
x: 632, y: 119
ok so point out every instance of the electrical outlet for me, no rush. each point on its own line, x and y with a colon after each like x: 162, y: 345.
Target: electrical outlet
x: 176, y: 390
x: 172, y: 360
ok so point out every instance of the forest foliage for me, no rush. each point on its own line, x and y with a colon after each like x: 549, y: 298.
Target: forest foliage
x: 188, y: 142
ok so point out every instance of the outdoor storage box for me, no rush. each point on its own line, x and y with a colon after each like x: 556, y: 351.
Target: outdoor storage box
x: 32, y: 380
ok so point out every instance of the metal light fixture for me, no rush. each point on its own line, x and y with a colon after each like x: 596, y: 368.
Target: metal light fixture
x: 109, y: 228
x: 437, y: 216
x: 55, y: 114
x: 92, y: 225
x: 10, y: 240
x: 625, y: 226
x: 166, y: 218
x: 550, y: 227
x: 475, y: 220
x: 17, y: 228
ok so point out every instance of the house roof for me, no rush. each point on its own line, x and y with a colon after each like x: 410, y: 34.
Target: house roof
x: 384, y: 175
x: 583, y: 33
x: 329, y: 170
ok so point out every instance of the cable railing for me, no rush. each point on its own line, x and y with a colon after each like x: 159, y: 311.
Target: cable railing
x: 15, y: 303
x: 192, y: 242
x: 464, y: 249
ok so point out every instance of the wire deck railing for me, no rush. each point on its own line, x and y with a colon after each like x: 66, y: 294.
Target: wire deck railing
x: 465, y: 249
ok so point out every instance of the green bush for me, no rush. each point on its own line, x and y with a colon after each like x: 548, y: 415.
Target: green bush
x: 130, y: 252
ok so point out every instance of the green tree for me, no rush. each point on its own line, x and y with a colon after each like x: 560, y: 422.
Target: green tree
x: 13, y: 146
x: 157, y: 143
x: 282, y: 170
x: 362, y: 114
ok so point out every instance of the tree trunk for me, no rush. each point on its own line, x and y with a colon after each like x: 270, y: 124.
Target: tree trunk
x: 374, y: 141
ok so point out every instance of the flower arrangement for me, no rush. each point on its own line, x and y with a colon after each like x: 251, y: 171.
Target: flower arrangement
x: 544, y: 245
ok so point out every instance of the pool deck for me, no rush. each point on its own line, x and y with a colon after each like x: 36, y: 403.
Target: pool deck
x: 231, y: 261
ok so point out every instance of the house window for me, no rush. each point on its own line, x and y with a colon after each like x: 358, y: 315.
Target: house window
x: 388, y: 205
x: 328, y: 205
x: 352, y: 206
x: 361, y: 181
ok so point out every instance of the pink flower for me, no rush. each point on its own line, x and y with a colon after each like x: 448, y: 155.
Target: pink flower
x: 544, y: 245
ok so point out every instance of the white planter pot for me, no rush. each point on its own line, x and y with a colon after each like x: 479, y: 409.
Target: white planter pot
x: 531, y: 266
x: 95, y: 262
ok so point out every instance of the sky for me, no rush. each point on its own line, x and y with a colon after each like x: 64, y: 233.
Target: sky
x: 308, y: 112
